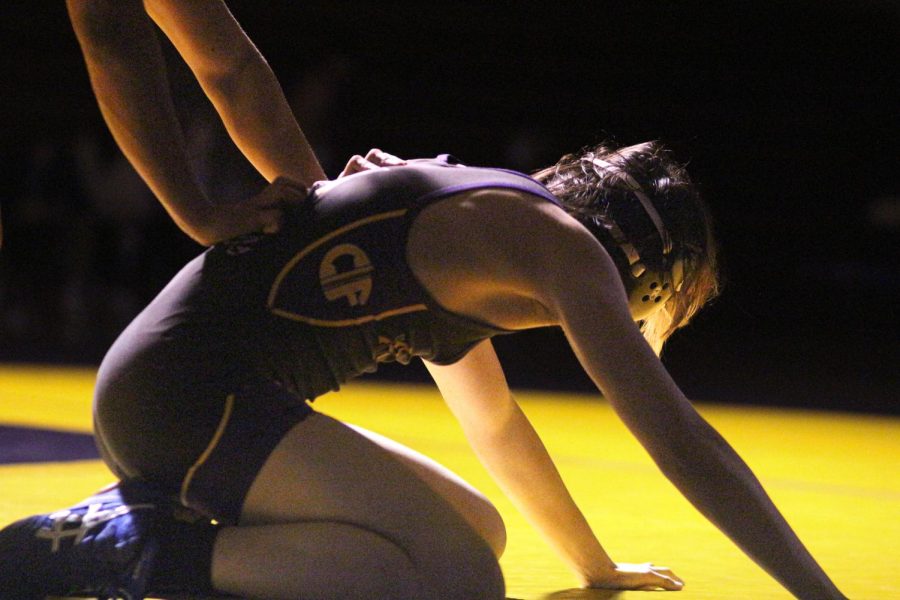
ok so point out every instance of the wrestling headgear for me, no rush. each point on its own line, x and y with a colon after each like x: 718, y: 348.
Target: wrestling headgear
x: 637, y: 239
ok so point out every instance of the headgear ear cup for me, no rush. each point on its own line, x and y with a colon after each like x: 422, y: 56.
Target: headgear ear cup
x: 648, y: 288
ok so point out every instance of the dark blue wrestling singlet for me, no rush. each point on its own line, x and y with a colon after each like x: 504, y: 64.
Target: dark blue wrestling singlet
x: 202, y: 385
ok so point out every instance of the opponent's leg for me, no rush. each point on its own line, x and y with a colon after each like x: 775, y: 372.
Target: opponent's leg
x: 332, y: 514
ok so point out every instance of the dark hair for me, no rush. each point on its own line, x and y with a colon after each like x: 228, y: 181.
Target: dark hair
x: 590, y: 182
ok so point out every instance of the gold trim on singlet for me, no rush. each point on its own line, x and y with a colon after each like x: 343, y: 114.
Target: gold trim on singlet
x: 273, y: 292
x: 216, y: 438
x: 350, y: 322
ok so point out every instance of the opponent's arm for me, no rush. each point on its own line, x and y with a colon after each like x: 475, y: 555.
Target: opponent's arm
x: 592, y: 310
x: 128, y: 76
x: 240, y: 84
x: 476, y: 391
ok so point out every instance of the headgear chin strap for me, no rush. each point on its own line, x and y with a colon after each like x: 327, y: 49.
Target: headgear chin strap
x: 649, y: 280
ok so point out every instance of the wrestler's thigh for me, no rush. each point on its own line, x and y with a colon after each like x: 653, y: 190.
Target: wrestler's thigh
x: 474, y: 507
x: 324, y: 470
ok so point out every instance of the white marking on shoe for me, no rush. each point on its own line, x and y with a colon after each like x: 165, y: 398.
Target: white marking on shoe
x: 68, y: 524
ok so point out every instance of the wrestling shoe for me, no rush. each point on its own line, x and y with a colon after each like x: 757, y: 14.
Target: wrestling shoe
x: 101, y: 548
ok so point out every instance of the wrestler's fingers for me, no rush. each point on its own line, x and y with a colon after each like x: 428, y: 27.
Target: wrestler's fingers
x: 384, y: 159
x: 282, y: 191
x: 357, y: 164
x: 665, y: 583
x: 639, y: 576
x: 291, y: 191
x: 667, y: 579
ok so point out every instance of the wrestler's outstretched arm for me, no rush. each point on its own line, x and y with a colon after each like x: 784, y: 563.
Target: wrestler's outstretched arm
x: 560, y: 275
x: 476, y: 391
x: 128, y: 75
x: 594, y: 315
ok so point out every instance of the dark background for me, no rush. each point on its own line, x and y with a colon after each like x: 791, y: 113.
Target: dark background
x: 787, y: 113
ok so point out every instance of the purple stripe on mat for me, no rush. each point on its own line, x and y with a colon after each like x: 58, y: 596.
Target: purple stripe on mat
x: 25, y: 444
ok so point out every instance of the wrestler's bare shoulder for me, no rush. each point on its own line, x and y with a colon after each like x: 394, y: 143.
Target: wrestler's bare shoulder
x: 479, y: 253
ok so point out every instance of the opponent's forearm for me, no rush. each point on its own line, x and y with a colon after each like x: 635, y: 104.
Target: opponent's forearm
x: 241, y: 85
x: 127, y: 73
x: 256, y: 114
x: 518, y: 461
x: 719, y: 484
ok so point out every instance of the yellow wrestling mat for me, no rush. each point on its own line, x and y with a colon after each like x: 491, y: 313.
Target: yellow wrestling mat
x: 835, y: 477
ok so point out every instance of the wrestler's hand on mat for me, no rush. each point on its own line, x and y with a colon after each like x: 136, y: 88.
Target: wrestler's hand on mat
x: 374, y: 159
x: 263, y: 212
x: 643, y: 576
